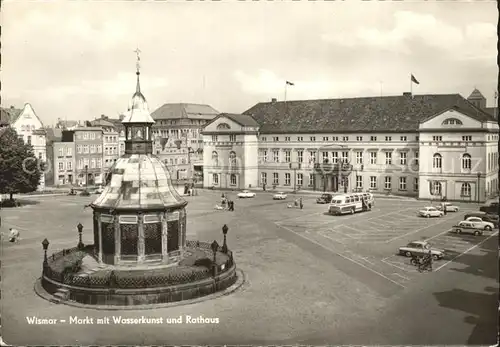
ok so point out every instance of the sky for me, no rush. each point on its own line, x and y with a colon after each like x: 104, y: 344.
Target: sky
x: 76, y: 60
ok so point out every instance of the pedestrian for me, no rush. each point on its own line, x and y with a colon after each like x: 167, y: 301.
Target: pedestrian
x: 301, y: 204
x: 232, y: 205
x: 14, y: 235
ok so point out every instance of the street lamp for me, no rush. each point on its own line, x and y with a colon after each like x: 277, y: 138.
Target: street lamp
x: 45, y: 245
x: 80, y: 229
x: 224, y: 231
x: 477, y: 189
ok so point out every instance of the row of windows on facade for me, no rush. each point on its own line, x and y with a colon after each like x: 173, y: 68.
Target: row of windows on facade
x: 175, y: 161
x: 183, y: 121
x: 88, y: 135
x: 110, y: 138
x: 336, y: 138
x: 28, y: 127
x: 439, y: 138
x: 85, y: 149
x: 327, y: 157
x: 492, y: 162
x: 231, y: 138
x: 93, y: 163
x: 176, y: 133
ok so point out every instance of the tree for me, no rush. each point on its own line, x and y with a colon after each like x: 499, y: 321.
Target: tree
x: 20, y: 170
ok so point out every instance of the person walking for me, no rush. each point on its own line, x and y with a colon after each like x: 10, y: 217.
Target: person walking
x: 14, y: 235
x: 301, y: 204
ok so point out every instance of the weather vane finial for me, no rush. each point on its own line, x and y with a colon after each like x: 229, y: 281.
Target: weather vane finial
x: 138, y: 64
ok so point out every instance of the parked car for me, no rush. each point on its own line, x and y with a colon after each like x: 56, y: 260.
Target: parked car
x: 492, y: 218
x: 421, y: 248
x: 279, y: 196
x: 491, y: 208
x: 430, y: 212
x: 467, y: 227
x: 449, y: 207
x: 246, y: 194
x: 480, y: 224
x: 324, y: 199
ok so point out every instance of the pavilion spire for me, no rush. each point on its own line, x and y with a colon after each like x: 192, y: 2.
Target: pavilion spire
x: 138, y: 70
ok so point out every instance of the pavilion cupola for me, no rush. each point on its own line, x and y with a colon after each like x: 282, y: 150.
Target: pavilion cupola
x: 138, y: 121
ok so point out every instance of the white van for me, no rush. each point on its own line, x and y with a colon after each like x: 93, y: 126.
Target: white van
x: 351, y: 203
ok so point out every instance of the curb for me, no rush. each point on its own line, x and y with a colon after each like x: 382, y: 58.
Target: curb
x: 240, y: 281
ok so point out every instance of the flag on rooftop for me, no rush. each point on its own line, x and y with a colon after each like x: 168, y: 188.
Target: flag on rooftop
x: 414, y: 80
x: 290, y: 83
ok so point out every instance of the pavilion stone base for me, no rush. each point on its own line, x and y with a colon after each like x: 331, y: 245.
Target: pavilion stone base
x: 142, y: 296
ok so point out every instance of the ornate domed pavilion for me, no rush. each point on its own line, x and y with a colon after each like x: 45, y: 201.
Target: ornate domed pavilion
x: 139, y: 218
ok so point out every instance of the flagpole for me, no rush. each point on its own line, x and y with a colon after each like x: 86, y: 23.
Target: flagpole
x: 286, y: 85
x: 496, y: 105
x: 411, y: 86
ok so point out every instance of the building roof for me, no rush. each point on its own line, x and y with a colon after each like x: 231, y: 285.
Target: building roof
x: 9, y: 115
x: 380, y: 114
x: 476, y: 94
x: 241, y: 119
x: 102, y: 123
x: 491, y: 110
x: 66, y: 123
x: 139, y: 182
x: 53, y: 135
x: 186, y: 111
x: 88, y: 129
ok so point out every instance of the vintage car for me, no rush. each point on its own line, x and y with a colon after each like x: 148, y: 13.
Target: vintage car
x: 279, y: 196
x: 430, y: 212
x: 421, y: 248
x: 491, y: 208
x: 480, y: 224
x: 492, y: 218
x: 467, y: 227
x: 246, y: 194
x: 324, y: 199
x: 448, y: 206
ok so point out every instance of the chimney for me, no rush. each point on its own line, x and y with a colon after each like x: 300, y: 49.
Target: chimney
x: 12, y: 107
x: 273, y: 100
x: 121, y: 117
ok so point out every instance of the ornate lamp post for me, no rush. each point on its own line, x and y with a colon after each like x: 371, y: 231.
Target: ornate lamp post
x: 215, y: 247
x: 45, y: 245
x: 80, y: 229
x: 224, y: 231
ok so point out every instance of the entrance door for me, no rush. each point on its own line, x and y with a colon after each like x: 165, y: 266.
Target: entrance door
x: 335, y: 183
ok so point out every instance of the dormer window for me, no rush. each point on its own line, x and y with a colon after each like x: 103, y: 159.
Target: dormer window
x: 452, y: 121
x: 223, y: 126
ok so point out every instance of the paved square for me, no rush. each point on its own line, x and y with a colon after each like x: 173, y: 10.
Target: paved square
x: 301, y: 266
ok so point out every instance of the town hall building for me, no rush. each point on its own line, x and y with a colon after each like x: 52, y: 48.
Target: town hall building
x: 426, y: 146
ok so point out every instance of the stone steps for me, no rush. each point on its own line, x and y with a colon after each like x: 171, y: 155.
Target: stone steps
x: 62, y: 294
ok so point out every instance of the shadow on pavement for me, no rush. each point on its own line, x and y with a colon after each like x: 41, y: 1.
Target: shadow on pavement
x: 483, y: 310
x: 476, y: 264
